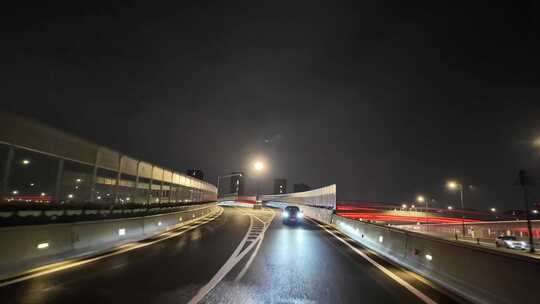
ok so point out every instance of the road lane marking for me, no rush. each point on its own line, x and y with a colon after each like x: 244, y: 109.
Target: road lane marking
x: 47, y: 269
x: 389, y: 273
x: 235, y: 257
x: 252, y: 257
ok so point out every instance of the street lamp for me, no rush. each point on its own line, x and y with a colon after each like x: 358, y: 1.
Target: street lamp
x: 452, y: 185
x: 421, y: 199
x: 493, y: 209
x: 258, y: 166
x: 450, y: 208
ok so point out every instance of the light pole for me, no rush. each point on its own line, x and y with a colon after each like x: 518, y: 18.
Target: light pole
x: 223, y: 176
x: 259, y: 167
x: 457, y: 186
x: 422, y: 199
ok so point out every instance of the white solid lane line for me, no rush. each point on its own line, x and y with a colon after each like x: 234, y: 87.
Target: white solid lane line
x: 389, y: 273
x: 120, y: 249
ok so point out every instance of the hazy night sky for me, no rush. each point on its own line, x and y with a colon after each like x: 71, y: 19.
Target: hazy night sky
x: 384, y: 100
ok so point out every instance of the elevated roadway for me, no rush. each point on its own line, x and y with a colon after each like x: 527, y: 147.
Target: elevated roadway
x: 240, y: 256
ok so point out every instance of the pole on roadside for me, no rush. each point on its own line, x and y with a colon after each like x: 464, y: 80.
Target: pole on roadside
x: 524, y: 181
x: 462, y: 211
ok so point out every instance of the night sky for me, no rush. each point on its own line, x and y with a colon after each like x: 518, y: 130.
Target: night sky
x: 384, y: 100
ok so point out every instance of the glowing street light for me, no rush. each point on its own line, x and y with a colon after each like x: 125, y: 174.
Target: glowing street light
x: 493, y: 209
x: 422, y: 199
x: 452, y: 185
x: 450, y: 207
x: 259, y: 166
x: 25, y: 162
x: 404, y: 206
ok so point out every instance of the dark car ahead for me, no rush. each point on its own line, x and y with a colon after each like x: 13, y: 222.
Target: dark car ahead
x: 292, y: 215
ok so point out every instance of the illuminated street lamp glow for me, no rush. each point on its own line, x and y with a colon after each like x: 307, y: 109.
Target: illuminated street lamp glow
x: 535, y: 211
x: 42, y: 245
x: 70, y: 195
x: 15, y: 192
x: 43, y: 194
x: 450, y: 208
x: 493, y: 210
x: 25, y: 162
x: 420, y: 199
x: 78, y: 180
x: 452, y: 185
x: 258, y: 166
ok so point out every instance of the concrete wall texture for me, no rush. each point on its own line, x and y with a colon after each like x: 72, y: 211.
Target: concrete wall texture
x: 26, y: 247
x: 481, y: 275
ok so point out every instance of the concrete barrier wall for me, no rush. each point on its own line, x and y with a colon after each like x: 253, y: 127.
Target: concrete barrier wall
x: 21, y: 244
x: 321, y: 214
x: 324, y: 197
x: 481, y: 275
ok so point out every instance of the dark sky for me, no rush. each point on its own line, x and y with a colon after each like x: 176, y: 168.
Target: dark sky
x: 385, y: 100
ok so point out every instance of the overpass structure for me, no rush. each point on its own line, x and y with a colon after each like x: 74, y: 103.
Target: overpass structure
x: 175, y: 244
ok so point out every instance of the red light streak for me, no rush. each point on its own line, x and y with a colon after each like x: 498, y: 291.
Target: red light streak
x: 403, y: 218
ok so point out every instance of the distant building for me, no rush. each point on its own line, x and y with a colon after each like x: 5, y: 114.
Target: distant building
x: 280, y: 186
x: 301, y: 187
x: 237, y: 183
x: 195, y: 173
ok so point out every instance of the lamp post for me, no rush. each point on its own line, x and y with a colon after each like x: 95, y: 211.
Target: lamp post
x: 259, y: 167
x: 422, y: 199
x: 452, y: 185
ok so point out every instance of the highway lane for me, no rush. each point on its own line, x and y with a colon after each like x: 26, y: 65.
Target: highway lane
x: 306, y: 264
x: 243, y: 256
x: 170, y: 271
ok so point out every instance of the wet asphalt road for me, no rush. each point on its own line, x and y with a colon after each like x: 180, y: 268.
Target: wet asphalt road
x: 293, y: 264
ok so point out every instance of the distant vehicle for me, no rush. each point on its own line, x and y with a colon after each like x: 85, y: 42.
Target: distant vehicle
x: 510, y: 241
x: 292, y: 214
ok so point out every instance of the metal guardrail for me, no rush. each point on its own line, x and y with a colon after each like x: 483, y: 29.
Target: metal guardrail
x: 482, y: 230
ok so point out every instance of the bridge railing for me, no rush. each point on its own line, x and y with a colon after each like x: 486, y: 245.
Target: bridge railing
x: 41, y: 164
x: 480, y: 230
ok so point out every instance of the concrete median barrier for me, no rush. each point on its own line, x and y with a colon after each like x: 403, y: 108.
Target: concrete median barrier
x: 25, y: 247
x: 480, y: 275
